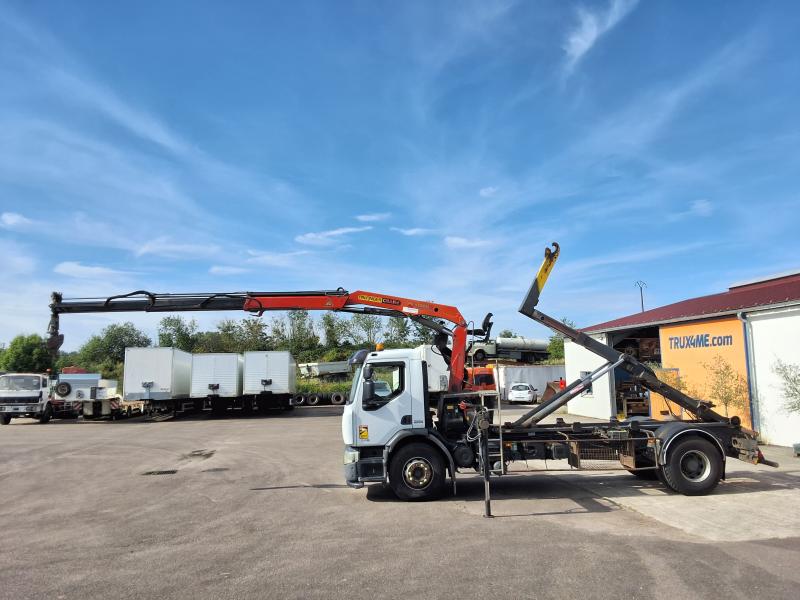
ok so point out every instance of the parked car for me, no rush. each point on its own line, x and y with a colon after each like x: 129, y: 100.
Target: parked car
x: 522, y: 393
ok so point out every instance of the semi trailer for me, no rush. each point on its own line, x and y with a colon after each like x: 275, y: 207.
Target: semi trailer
x: 40, y: 396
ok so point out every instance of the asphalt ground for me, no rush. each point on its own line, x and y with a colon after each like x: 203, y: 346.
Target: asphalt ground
x: 257, y: 508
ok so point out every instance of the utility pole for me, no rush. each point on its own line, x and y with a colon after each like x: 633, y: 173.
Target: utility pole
x: 641, y: 285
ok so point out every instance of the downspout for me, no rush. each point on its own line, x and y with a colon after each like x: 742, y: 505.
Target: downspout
x: 752, y: 387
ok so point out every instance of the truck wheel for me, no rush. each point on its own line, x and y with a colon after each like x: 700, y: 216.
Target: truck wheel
x: 298, y: 400
x: 5, y: 419
x: 417, y: 472
x: 313, y: 399
x: 337, y: 399
x: 479, y: 356
x: 46, y: 415
x: 693, y: 467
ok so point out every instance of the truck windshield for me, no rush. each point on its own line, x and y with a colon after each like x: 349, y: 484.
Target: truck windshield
x: 19, y: 383
x: 356, y: 377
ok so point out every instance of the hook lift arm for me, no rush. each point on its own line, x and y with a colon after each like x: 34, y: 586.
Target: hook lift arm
x: 638, y: 371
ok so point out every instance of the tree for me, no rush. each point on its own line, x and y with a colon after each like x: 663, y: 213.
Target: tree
x: 302, y: 337
x: 174, y: 331
x: 398, y: 332
x: 421, y: 334
x: 366, y: 329
x: 26, y: 353
x: 725, y: 385
x: 555, y: 347
x: 507, y: 333
x: 789, y: 375
x: 335, y: 330
x: 111, y: 344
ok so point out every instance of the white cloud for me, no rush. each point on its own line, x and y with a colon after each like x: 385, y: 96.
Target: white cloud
x: 165, y: 247
x: 15, y: 259
x: 79, y: 271
x: 226, y: 270
x: 274, y: 259
x: 456, y: 242
x: 325, y: 238
x: 592, y: 25
x: 10, y: 220
x: 370, y: 218
x: 488, y: 191
x: 702, y: 208
x: 413, y: 231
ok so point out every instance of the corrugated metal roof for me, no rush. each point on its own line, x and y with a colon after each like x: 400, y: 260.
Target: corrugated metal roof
x: 775, y: 292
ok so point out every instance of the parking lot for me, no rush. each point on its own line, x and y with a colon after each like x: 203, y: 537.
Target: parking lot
x: 254, y: 508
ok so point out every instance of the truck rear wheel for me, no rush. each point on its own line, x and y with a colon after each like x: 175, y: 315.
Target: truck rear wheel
x: 5, y: 419
x: 46, y: 415
x: 694, y: 467
x: 417, y: 472
x: 313, y: 399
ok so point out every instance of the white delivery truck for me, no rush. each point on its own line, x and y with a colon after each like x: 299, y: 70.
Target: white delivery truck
x: 217, y: 378
x: 270, y: 378
x: 159, y: 376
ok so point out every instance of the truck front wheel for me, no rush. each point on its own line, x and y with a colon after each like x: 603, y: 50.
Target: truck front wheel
x: 5, y: 419
x: 46, y: 415
x: 694, y: 467
x: 417, y: 472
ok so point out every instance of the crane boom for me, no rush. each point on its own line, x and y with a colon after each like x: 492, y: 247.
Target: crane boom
x: 425, y: 313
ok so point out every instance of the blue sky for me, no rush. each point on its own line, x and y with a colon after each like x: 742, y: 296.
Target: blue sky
x: 427, y: 149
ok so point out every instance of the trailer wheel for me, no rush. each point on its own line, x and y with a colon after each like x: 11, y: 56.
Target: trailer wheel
x: 337, y: 399
x: 5, y: 419
x: 479, y: 356
x: 417, y: 472
x: 313, y: 399
x: 693, y: 467
x: 298, y: 400
x: 46, y: 415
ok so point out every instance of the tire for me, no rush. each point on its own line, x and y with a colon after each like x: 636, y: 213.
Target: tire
x: 313, y: 399
x: 694, y: 467
x: 46, y: 415
x: 5, y: 419
x: 417, y: 472
x: 479, y: 356
x: 298, y: 400
x: 63, y: 389
x: 337, y: 399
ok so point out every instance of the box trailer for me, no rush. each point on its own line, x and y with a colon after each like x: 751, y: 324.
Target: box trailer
x: 160, y: 376
x: 270, y: 378
x: 217, y: 377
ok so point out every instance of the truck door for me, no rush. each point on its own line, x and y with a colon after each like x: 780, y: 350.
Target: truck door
x: 390, y: 410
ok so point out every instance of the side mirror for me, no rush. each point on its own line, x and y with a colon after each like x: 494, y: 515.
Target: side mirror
x: 368, y: 391
x: 367, y: 372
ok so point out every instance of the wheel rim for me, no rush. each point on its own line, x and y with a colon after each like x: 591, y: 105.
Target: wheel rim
x: 695, y: 466
x: 418, y: 473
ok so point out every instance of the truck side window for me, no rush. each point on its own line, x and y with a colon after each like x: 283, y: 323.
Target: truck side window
x: 389, y: 380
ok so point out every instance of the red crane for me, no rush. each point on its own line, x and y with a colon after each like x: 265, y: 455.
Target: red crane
x: 429, y: 314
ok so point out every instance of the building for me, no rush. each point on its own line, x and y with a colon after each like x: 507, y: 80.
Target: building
x: 735, y: 336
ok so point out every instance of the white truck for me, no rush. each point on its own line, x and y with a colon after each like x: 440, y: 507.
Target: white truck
x: 330, y: 371
x: 25, y: 395
x: 520, y: 349
x: 38, y: 396
x: 217, y: 377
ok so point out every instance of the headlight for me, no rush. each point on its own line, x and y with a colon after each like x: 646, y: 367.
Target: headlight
x: 350, y: 456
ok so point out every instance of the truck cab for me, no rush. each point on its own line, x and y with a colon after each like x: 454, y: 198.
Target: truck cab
x: 25, y: 395
x: 389, y: 427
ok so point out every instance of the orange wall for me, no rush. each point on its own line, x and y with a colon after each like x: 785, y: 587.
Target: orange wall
x: 689, y: 346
